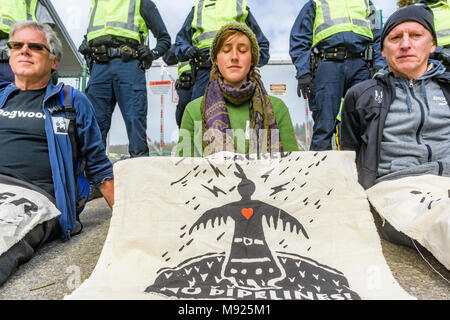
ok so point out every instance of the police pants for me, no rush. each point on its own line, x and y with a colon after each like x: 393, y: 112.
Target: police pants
x: 331, y: 82
x: 201, y: 82
x: 184, y: 96
x: 124, y: 83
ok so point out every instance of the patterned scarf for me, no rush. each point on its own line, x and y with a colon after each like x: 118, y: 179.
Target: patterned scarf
x: 216, y: 123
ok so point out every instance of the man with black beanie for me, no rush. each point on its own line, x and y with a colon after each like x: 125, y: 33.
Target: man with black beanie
x: 398, y: 122
x: 419, y: 14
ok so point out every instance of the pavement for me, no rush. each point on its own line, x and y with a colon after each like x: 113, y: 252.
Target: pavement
x: 59, y: 267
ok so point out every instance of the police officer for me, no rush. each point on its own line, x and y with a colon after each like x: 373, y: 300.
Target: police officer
x: 115, y: 41
x: 331, y: 46
x: 11, y: 12
x: 441, y: 13
x: 197, y: 33
x: 184, y: 83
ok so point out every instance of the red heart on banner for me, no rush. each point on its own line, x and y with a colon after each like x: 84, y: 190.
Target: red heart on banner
x: 247, y: 213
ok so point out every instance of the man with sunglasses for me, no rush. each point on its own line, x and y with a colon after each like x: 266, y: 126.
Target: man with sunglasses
x: 11, y: 12
x: 36, y: 148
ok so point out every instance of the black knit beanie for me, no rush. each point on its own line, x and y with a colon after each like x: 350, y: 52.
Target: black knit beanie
x: 417, y: 13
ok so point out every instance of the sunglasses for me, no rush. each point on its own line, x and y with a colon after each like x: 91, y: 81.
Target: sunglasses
x: 33, y: 46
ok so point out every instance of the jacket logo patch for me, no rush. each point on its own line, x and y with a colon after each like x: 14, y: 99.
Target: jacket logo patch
x: 441, y: 100
x: 60, y: 125
x: 378, y: 96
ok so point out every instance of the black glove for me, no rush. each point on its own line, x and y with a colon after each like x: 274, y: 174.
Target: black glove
x: 192, y: 52
x: 84, y: 48
x: 305, y: 87
x: 146, y: 56
x: 374, y: 70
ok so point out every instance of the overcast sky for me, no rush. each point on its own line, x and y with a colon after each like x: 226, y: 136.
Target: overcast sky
x: 274, y: 17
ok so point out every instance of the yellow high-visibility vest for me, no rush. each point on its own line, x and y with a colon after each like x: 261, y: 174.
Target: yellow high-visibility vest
x: 339, y: 16
x: 12, y: 11
x: 211, y: 15
x: 120, y: 18
x: 441, y: 12
x: 183, y: 67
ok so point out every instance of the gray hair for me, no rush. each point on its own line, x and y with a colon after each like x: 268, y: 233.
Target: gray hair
x: 51, y: 36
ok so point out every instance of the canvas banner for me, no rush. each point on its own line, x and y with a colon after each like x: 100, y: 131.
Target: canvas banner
x: 418, y: 206
x: 21, y: 210
x: 286, y: 226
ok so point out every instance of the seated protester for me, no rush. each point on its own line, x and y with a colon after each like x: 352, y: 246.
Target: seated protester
x: 235, y: 114
x: 36, y: 148
x: 398, y: 122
